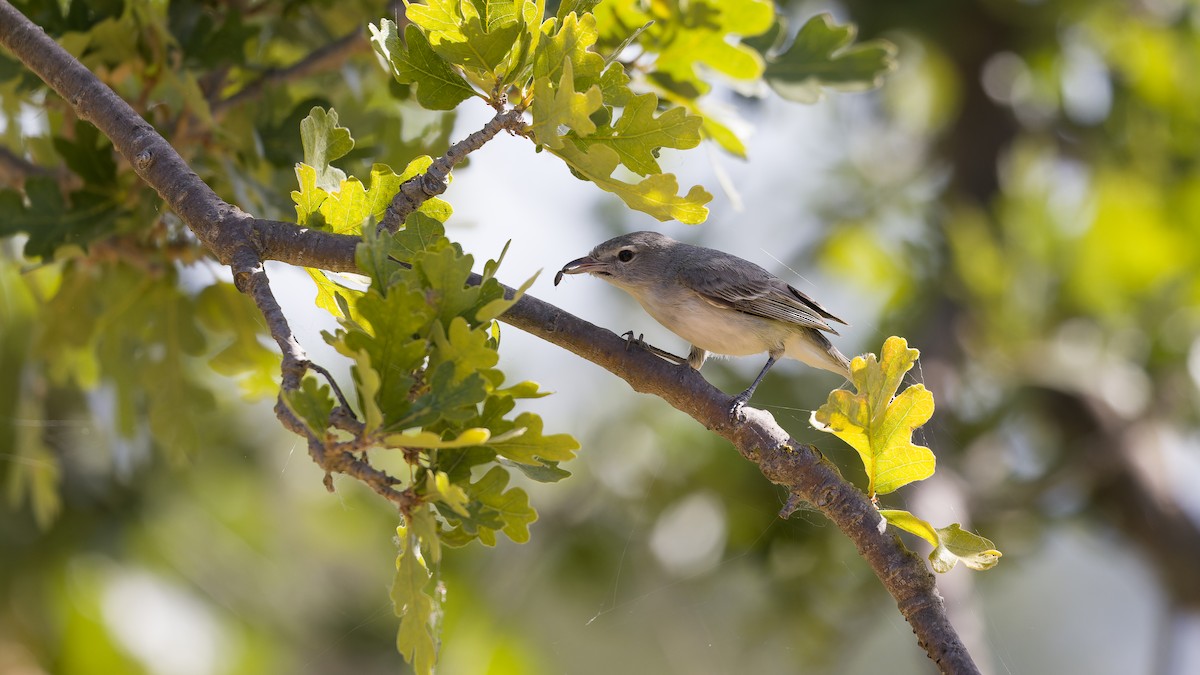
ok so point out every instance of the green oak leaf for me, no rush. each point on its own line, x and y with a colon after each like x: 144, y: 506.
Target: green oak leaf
x: 822, y: 55
x: 950, y: 544
x: 51, y: 221
x: 614, y: 84
x: 308, y: 198
x: 530, y: 446
x: 879, y: 426
x: 441, y: 19
x: 439, y: 487
x: 519, y: 66
x: 557, y: 106
x: 466, y: 349
x: 511, y: 505
x: 328, y: 292
x: 481, y: 43
x: 454, y: 401
x: 569, y: 40
x: 445, y: 272
x: 346, y: 208
x: 375, y: 258
x: 638, y: 135
x: 324, y: 141
x: 368, y: 382
x: 415, y: 638
x: 423, y: 524
x: 707, y: 42
x: 439, y: 85
x: 395, y: 341
x: 579, y: 7
x: 656, y: 194
x: 421, y: 233
x: 704, y: 40
x: 311, y: 404
x: 543, y: 472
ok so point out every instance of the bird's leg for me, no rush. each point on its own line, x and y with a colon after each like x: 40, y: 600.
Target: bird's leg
x: 741, y: 399
x: 631, y: 341
x: 696, y: 357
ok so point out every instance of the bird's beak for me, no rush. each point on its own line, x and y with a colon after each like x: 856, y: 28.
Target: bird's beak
x: 585, y: 265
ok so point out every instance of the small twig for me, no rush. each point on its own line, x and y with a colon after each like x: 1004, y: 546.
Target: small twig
x: 14, y: 169
x: 416, y: 190
x: 321, y: 60
x: 337, y: 391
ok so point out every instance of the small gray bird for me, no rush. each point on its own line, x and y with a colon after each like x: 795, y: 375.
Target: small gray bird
x: 718, y: 302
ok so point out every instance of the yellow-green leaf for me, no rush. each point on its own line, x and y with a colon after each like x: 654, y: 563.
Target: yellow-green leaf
x: 657, y: 194
x: 419, y: 438
x: 414, y: 639
x: 439, y: 487
x: 439, y: 85
x: 558, y: 107
x: 957, y: 544
x: 950, y: 544
x: 879, y: 426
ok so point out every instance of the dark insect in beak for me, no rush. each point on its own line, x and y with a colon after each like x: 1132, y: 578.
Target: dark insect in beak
x: 579, y: 266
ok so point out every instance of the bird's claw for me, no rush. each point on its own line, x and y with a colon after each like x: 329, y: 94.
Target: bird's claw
x: 737, y: 411
x: 631, y: 341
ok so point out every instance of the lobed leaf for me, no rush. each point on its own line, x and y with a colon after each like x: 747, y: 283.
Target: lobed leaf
x: 312, y: 404
x: 415, y: 638
x: 951, y: 544
x: 413, y: 61
x: 822, y: 55
x: 657, y: 194
x: 324, y: 141
x: 638, y: 134
x: 879, y: 426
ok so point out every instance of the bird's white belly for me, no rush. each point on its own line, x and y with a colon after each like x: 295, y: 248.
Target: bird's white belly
x: 716, y: 330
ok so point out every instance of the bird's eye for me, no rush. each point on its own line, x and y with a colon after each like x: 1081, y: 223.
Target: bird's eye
x: 625, y: 255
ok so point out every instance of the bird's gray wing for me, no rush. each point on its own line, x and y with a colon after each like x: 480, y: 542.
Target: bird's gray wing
x: 730, y: 282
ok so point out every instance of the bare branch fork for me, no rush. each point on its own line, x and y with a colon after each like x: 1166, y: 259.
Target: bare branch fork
x: 416, y: 190
x: 244, y: 242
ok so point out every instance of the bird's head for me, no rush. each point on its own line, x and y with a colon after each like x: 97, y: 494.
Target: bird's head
x: 631, y: 261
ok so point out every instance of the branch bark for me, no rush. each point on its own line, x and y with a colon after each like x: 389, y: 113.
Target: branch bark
x: 416, y: 190
x: 244, y: 243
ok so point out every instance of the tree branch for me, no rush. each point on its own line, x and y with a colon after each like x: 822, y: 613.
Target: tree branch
x: 416, y: 190
x: 244, y: 242
x: 329, y: 56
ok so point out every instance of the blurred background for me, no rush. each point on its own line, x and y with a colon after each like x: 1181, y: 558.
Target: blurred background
x: 1021, y: 201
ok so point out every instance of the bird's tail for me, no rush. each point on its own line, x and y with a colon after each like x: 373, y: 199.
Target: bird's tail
x: 813, y: 348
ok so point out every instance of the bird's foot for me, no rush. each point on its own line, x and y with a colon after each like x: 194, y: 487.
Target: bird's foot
x: 736, y: 407
x: 631, y: 341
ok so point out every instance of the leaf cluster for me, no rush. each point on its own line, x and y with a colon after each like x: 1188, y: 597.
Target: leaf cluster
x: 507, y: 51
x: 423, y: 342
x: 879, y: 425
